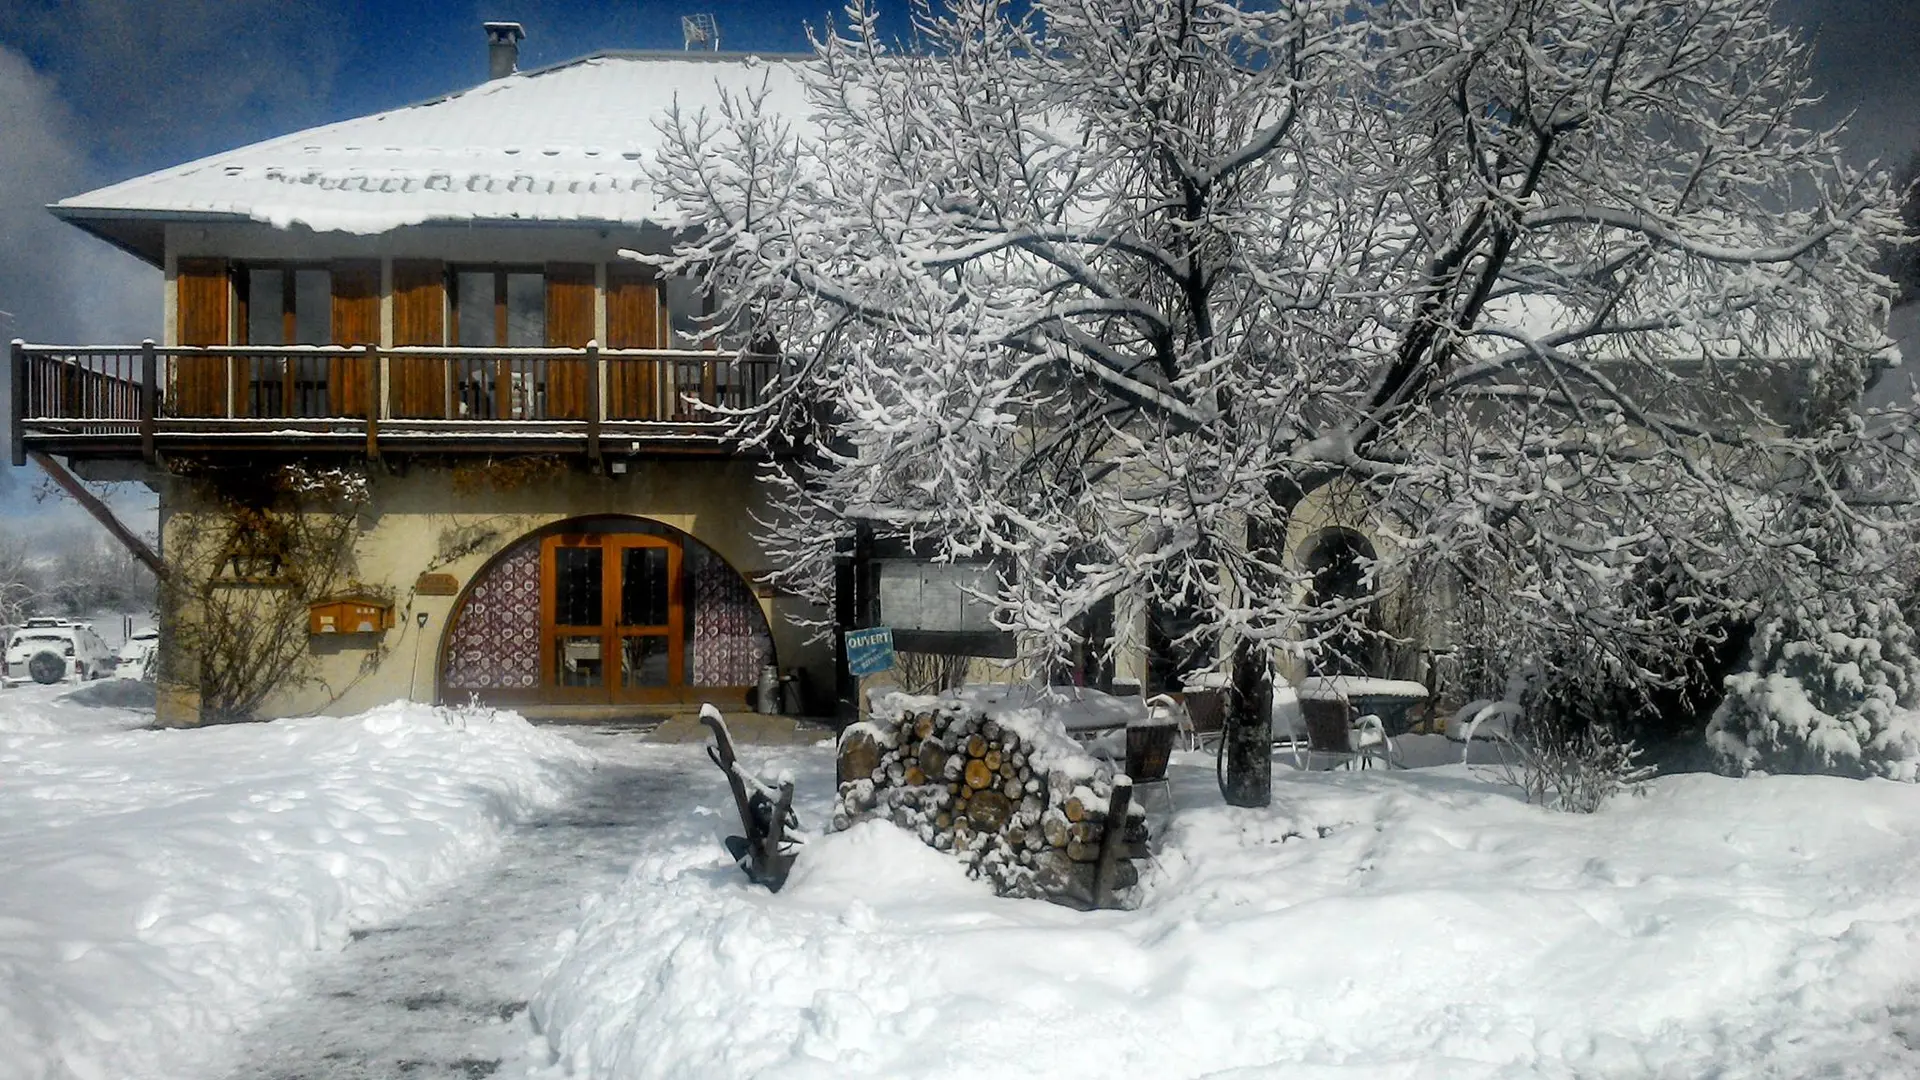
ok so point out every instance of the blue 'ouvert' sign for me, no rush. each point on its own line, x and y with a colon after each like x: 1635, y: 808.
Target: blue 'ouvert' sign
x: 870, y: 651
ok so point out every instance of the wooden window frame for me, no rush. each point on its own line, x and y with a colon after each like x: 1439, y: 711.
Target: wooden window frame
x: 499, y: 272
x: 247, y: 369
x: 503, y: 369
x: 243, y: 298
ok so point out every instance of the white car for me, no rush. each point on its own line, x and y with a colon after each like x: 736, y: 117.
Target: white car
x: 54, y: 650
x: 137, y: 655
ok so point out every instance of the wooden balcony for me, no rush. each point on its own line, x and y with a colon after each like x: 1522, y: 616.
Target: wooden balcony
x: 142, y: 401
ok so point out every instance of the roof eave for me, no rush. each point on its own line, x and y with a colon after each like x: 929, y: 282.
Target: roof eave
x: 142, y: 233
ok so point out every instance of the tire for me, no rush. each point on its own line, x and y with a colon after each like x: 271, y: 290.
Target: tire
x: 47, y: 667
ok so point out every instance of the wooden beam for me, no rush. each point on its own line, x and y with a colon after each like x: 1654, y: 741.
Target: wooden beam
x: 101, y: 512
x: 18, y: 366
x: 594, y: 375
x: 149, y: 399
x: 1106, y: 870
x: 375, y: 400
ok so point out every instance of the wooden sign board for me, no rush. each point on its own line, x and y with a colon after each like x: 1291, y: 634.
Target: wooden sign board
x: 941, y: 607
x: 949, y: 597
x: 437, y: 585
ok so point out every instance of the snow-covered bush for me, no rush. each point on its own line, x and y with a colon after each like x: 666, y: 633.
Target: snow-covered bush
x: 1565, y: 763
x: 1830, y: 690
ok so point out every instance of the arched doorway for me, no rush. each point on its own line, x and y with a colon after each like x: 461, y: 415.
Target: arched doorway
x: 605, y: 611
x: 1340, y: 562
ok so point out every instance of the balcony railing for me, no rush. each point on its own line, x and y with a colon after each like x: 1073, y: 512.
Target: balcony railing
x: 112, y: 400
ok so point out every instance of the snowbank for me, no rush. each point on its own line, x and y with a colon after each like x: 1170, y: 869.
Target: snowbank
x: 163, y: 887
x: 1368, y: 924
x: 33, y: 709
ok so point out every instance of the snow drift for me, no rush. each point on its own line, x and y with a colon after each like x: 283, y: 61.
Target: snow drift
x: 1369, y: 924
x: 163, y: 887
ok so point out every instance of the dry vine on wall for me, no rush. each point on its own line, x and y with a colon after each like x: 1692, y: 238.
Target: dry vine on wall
x: 256, y: 550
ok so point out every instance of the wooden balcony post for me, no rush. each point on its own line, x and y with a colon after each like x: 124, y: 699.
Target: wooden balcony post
x: 594, y: 402
x: 375, y: 402
x: 149, y: 398
x: 18, y: 430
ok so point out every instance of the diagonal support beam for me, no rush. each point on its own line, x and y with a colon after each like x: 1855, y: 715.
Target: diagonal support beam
x: 101, y: 512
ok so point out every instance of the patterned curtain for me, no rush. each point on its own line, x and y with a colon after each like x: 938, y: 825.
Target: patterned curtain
x: 730, y: 638
x: 495, y: 643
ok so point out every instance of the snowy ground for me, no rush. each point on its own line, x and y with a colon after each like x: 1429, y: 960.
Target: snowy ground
x: 163, y: 888
x: 1399, y: 924
x: 32, y: 709
x: 440, y: 993
x: 386, y: 895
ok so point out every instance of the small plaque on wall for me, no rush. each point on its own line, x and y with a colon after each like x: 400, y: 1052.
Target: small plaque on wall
x: 436, y: 585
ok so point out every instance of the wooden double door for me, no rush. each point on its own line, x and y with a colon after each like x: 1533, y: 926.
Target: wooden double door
x: 613, y: 618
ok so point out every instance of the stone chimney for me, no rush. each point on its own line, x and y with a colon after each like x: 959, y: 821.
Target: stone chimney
x: 503, y: 48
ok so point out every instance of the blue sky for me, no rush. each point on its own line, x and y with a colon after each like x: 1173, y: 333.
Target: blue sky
x: 94, y: 91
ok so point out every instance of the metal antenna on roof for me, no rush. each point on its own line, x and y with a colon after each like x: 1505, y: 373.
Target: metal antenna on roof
x: 700, y: 30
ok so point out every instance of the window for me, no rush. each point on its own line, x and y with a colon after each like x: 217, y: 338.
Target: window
x: 288, y: 305
x: 687, y: 303
x: 495, y: 306
x: 1174, y: 651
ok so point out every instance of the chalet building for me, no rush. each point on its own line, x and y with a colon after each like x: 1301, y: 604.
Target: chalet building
x: 440, y: 297
x: 437, y: 296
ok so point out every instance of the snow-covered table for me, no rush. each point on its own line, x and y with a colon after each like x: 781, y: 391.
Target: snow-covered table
x: 1392, y: 700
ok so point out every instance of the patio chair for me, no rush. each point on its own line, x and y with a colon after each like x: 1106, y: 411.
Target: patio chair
x: 1150, y: 745
x: 1334, y: 732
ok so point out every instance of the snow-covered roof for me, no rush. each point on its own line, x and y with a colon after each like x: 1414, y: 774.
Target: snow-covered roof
x: 562, y: 144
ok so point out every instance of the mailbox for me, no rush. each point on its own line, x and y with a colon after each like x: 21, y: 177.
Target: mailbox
x: 349, y: 615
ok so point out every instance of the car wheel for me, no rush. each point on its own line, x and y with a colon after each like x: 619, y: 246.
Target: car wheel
x: 47, y: 667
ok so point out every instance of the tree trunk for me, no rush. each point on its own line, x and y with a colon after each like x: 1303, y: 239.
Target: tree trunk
x: 1247, y: 724
x: 1249, y: 729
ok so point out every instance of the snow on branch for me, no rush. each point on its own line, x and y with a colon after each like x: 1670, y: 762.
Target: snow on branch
x: 1569, y: 308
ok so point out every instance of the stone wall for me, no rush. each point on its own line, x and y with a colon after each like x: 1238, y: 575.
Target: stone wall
x: 1006, y: 791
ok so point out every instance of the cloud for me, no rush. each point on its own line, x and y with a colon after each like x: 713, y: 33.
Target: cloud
x: 56, y: 283
x: 160, y: 81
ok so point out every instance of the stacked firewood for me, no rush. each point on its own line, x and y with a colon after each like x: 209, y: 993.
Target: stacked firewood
x: 1017, y: 800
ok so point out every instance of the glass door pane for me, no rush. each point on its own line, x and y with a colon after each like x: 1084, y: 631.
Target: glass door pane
x: 643, y: 587
x: 577, y: 661
x: 578, y: 589
x: 648, y: 617
x: 270, y: 389
x: 645, y: 661
x: 577, y: 584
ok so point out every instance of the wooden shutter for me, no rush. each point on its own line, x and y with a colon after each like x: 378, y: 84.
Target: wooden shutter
x: 633, y: 309
x: 356, y: 321
x: 569, y: 325
x: 419, y: 318
x: 201, y: 317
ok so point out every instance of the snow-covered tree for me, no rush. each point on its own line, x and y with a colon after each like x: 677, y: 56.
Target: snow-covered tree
x: 1105, y: 288
x: 1831, y: 690
x: 20, y: 581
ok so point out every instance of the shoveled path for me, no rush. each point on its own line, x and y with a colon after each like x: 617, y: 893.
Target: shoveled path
x: 442, y: 993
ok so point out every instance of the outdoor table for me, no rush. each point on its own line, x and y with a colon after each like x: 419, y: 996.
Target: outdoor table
x: 1392, y: 700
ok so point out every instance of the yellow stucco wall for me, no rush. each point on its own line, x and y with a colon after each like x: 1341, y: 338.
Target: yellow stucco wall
x: 425, y: 522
